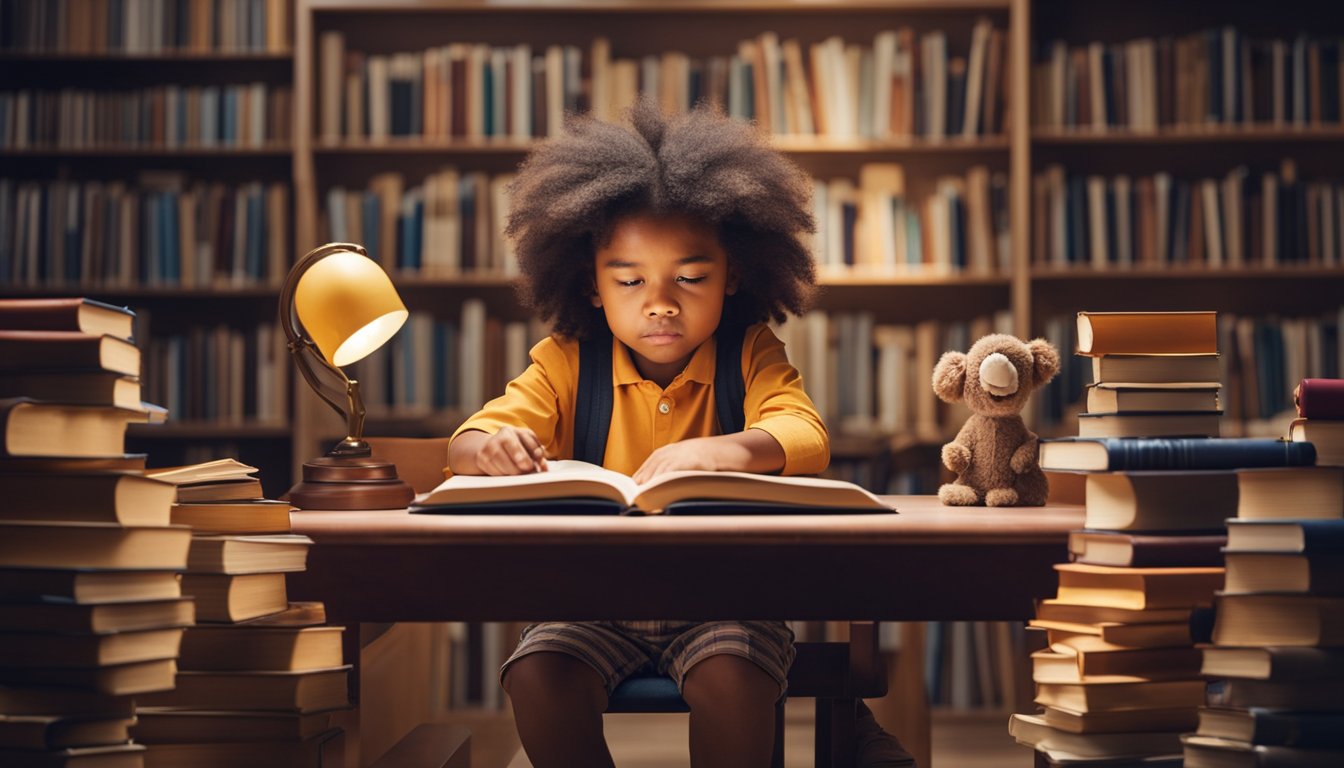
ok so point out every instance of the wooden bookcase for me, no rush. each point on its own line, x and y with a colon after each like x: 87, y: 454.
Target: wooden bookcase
x: 1031, y: 293
x: 73, y: 49
x: 635, y: 29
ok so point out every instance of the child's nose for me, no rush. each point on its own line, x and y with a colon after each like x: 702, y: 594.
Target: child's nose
x: 661, y: 304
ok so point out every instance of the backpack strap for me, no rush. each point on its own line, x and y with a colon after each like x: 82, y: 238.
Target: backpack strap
x: 593, y: 400
x: 730, y: 392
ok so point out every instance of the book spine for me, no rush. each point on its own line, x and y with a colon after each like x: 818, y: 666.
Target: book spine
x: 1131, y: 455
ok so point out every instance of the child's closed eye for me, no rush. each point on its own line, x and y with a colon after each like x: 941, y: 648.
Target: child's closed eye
x: 691, y: 280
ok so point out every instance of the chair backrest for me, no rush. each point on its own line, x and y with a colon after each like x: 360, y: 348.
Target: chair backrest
x: 419, y: 460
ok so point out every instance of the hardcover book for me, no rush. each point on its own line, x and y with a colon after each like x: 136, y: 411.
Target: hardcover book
x: 82, y: 315
x: 1327, y: 436
x: 1258, y: 725
x: 1156, y: 369
x: 1274, y: 663
x: 1310, y: 536
x: 1278, y: 619
x: 1150, y: 424
x: 33, y: 429
x: 1144, y: 551
x: 1102, y: 454
x: 107, y: 497
x: 1137, y: 588
x: 1147, y: 333
x: 1113, y: 398
x: 1321, y: 399
x: 67, y: 351
x: 1290, y: 493
x: 1160, y: 501
x: 576, y: 487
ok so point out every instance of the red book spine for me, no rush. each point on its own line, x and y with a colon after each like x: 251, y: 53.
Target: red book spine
x: 1320, y: 399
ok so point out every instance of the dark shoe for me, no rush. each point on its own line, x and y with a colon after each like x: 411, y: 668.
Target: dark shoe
x: 875, y: 747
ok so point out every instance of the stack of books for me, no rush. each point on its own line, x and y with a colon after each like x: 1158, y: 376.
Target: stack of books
x: 260, y: 675
x: 1320, y: 419
x: 1278, y: 641
x: 1120, y: 680
x: 91, y: 607
x: 1155, y: 373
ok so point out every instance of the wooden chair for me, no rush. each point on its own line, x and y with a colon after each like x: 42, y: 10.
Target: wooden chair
x: 836, y: 674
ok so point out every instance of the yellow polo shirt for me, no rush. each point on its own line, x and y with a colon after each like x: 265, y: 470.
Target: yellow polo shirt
x: 645, y: 417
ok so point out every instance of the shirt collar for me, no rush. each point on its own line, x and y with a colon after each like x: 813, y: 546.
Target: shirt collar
x: 700, y: 368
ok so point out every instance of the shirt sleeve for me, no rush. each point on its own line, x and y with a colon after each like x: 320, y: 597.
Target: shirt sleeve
x: 777, y: 404
x: 532, y: 400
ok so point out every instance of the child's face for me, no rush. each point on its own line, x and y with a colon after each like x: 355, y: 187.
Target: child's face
x: 661, y: 281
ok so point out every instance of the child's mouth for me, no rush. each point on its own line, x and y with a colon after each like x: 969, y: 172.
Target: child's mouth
x: 662, y: 338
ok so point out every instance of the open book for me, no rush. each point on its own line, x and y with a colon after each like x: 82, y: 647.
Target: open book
x: 576, y: 488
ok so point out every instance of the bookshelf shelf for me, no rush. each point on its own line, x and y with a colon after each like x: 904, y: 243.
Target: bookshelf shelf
x: 1192, y: 135
x: 1276, y: 273
x: 276, y: 151
x: 209, y: 430
x: 639, y: 6
x: 791, y: 144
x: 149, y: 294
x: 168, y: 57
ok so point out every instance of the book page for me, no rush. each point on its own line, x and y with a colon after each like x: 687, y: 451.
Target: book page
x: 563, y: 478
x: 219, y: 469
x: 671, y: 487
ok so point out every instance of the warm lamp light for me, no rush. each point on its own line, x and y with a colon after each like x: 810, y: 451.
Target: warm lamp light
x: 338, y: 306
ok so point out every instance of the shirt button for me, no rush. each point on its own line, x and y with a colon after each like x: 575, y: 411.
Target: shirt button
x: 664, y: 408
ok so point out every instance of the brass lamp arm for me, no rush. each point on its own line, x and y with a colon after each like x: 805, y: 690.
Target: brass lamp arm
x: 305, y: 352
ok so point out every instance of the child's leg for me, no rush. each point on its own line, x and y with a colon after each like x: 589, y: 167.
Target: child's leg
x: 732, y: 704
x: 558, y: 703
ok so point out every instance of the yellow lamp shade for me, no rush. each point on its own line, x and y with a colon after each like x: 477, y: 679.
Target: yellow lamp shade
x: 349, y: 307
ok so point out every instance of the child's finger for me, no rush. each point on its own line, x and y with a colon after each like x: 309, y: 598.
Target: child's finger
x: 534, y: 448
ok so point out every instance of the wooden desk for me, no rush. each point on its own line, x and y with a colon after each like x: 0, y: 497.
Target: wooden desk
x: 929, y: 562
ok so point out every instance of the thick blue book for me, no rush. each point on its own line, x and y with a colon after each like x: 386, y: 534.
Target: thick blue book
x: 1114, y: 454
x: 1307, y: 536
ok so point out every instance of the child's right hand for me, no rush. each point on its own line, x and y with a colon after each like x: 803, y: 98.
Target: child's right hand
x: 512, y: 451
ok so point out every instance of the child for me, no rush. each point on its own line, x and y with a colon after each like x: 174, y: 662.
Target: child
x: 661, y: 238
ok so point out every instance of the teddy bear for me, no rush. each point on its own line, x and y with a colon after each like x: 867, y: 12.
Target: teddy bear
x: 994, y: 454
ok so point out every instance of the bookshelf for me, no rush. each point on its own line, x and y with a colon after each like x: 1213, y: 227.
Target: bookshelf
x: 1027, y: 295
x: 169, y: 176
x: 1229, y: 104
x: 330, y: 155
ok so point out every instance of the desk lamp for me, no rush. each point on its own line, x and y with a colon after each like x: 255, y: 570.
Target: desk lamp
x: 337, y: 306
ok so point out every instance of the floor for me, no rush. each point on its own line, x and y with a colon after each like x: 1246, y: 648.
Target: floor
x: 960, y: 740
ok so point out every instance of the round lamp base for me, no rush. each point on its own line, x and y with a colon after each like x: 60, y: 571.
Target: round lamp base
x: 331, y: 483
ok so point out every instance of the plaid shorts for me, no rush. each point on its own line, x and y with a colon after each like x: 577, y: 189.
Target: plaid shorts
x: 619, y: 649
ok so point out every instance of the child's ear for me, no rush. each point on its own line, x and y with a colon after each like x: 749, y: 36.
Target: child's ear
x: 733, y: 277
x: 597, y: 299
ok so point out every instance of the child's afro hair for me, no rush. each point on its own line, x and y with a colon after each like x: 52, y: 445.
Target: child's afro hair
x: 572, y: 189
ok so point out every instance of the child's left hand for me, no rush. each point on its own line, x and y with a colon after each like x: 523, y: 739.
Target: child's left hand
x: 697, y: 453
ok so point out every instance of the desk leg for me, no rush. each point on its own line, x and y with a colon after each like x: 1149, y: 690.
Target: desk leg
x: 392, y: 687
x: 904, y: 711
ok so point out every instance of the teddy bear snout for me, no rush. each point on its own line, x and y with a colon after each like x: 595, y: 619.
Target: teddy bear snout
x: 998, y: 375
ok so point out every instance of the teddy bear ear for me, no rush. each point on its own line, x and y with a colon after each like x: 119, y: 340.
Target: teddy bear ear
x: 949, y: 377
x: 1045, y: 360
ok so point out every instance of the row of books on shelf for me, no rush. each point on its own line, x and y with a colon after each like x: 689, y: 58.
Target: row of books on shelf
x: 1260, y: 360
x: 242, y: 115
x: 452, y: 223
x: 137, y: 27
x: 1216, y: 77
x: 1240, y: 220
x: 220, y: 374
x: 438, y: 364
x: 902, y: 85
x: 161, y: 230
x: 883, y: 227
